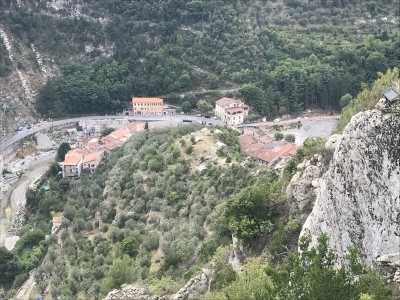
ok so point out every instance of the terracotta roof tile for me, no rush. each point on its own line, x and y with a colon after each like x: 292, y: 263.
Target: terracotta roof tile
x: 227, y: 101
x: 234, y: 109
x: 287, y: 148
x: 247, y: 139
x: 146, y: 100
x: 92, y: 156
x: 135, y: 126
x: 268, y: 155
x: 72, y: 159
x: 110, y: 146
x: 121, y: 133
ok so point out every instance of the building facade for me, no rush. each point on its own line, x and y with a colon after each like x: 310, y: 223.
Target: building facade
x: 231, y: 111
x: 147, y: 106
x: 72, y: 166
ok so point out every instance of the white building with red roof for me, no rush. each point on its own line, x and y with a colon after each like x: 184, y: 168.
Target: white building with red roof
x: 92, y: 161
x: 231, y: 111
x: 72, y: 166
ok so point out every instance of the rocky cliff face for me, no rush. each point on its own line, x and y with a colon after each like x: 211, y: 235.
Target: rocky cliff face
x: 358, y: 198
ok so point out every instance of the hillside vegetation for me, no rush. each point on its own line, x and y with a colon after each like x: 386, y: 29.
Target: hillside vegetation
x: 287, y: 55
x: 149, y: 216
x: 368, y: 98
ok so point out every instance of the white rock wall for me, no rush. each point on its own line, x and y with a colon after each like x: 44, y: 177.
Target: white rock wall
x: 358, y: 198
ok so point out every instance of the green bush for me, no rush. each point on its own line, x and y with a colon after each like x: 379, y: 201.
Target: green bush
x: 313, y: 272
x: 171, y: 260
x: 129, y: 246
x: 189, y: 150
x: 278, y: 136
x: 155, y: 165
x: 290, y: 138
x: 11, y: 293
x: 30, y: 239
x: 151, y: 241
x: 208, y: 249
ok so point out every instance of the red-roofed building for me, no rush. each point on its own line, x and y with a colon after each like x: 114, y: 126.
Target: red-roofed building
x: 135, y: 127
x: 267, y: 157
x: 92, y: 161
x: 121, y: 134
x: 247, y: 139
x: 146, y: 106
x: 72, y: 166
x: 259, y: 145
x: 231, y: 111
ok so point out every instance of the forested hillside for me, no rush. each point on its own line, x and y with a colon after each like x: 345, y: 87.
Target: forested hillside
x: 286, y: 55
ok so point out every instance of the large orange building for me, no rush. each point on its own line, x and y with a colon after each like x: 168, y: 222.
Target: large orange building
x: 147, y: 106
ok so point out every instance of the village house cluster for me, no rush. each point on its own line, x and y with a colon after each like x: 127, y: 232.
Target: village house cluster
x: 257, y: 144
x: 89, y: 151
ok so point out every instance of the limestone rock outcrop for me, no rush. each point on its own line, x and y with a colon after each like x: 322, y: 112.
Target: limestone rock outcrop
x: 358, y: 198
x: 303, y: 185
x: 390, y: 265
x: 132, y: 292
x: 197, y: 285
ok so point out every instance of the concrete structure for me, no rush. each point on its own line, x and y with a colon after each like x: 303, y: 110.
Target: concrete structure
x: 93, y: 126
x: 146, y: 106
x: 231, y: 111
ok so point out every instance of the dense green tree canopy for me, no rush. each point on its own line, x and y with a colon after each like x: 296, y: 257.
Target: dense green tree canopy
x: 8, y: 266
x: 62, y: 150
x: 204, y: 106
x: 298, y: 53
x: 130, y: 246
